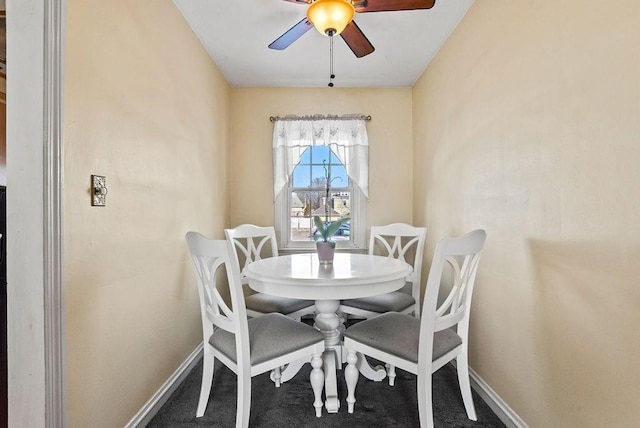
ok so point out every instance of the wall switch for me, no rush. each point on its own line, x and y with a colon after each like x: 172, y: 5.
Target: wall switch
x: 98, y: 191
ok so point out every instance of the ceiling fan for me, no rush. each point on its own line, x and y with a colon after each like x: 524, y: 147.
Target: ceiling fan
x: 335, y: 17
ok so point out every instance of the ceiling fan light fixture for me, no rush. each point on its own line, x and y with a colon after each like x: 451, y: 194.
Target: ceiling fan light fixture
x: 330, y: 17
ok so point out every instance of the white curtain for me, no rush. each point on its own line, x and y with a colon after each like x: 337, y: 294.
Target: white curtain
x: 347, y: 138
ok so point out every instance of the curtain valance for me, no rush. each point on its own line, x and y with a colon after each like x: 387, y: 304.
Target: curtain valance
x: 346, y: 137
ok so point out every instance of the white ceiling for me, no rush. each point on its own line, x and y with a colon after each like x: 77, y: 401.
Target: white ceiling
x: 236, y: 34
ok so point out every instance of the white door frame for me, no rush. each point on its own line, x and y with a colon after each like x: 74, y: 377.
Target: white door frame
x: 35, y: 296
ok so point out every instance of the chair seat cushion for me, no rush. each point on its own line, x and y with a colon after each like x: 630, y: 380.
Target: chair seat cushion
x: 398, y: 335
x: 265, y: 303
x: 396, y: 301
x: 270, y: 336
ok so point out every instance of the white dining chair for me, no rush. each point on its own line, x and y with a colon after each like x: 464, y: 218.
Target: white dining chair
x: 248, y: 347
x: 253, y: 243
x: 404, y: 242
x: 422, y: 346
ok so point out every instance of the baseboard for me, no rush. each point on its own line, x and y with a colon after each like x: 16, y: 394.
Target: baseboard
x: 495, y: 402
x: 154, y: 404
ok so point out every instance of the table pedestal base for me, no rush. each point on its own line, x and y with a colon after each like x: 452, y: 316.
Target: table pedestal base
x: 376, y: 373
x: 332, y: 403
x: 328, y: 322
x: 331, y: 326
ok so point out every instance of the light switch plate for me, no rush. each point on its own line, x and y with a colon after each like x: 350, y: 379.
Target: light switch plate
x: 98, y: 191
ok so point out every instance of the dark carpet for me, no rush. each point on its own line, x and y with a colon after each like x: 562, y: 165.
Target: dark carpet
x: 291, y: 405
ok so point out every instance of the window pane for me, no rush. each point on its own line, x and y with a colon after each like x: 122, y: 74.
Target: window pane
x: 320, y: 153
x: 301, y: 177
x: 300, y: 220
x: 306, y: 156
x: 316, y: 203
x: 341, y: 204
x: 297, y: 205
x: 301, y: 229
x: 318, y: 178
x: 339, y: 177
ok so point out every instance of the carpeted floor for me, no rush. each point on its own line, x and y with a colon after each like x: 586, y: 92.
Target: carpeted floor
x: 378, y: 404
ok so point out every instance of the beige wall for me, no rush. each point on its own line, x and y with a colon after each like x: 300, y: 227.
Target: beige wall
x: 389, y: 131
x: 527, y: 124
x: 146, y: 107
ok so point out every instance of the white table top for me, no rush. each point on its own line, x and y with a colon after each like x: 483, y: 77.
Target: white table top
x: 350, y: 276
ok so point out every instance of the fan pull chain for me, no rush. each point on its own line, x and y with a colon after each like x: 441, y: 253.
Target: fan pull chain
x: 331, y: 75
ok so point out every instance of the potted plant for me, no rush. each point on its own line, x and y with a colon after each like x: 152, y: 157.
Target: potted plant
x: 324, y: 232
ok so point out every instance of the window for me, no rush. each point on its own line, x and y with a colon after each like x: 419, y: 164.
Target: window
x: 302, y: 169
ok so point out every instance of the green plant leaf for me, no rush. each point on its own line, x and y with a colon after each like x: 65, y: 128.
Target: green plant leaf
x: 334, y: 226
x: 327, y: 230
x: 319, y: 224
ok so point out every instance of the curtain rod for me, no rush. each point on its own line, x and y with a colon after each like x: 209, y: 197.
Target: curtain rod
x: 321, y: 117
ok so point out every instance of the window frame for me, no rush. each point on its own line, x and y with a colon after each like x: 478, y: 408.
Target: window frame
x: 358, y: 208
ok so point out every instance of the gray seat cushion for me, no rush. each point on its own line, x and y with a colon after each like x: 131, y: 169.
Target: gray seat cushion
x: 396, y: 301
x: 398, y: 335
x: 270, y: 336
x: 264, y: 303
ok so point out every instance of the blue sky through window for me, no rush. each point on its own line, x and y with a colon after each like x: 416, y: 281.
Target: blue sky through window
x: 310, y: 171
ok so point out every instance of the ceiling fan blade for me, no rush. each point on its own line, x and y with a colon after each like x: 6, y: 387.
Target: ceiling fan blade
x: 391, y: 5
x: 298, y: 1
x: 291, y: 35
x: 356, y: 40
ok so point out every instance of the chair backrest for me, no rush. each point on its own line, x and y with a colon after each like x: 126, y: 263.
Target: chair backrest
x: 462, y: 256
x: 405, y: 242
x: 210, y: 258
x: 252, y: 243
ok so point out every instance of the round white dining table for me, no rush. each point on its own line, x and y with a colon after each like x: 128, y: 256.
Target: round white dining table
x: 350, y: 276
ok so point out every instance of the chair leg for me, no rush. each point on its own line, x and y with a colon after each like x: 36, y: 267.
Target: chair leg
x: 462, y: 366
x: 351, y: 375
x: 391, y: 373
x: 243, y: 405
x: 317, y: 382
x: 276, y: 376
x: 207, y: 379
x: 425, y: 399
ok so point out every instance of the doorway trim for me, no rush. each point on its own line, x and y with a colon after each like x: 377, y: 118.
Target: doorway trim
x: 35, y: 293
x: 53, y: 215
